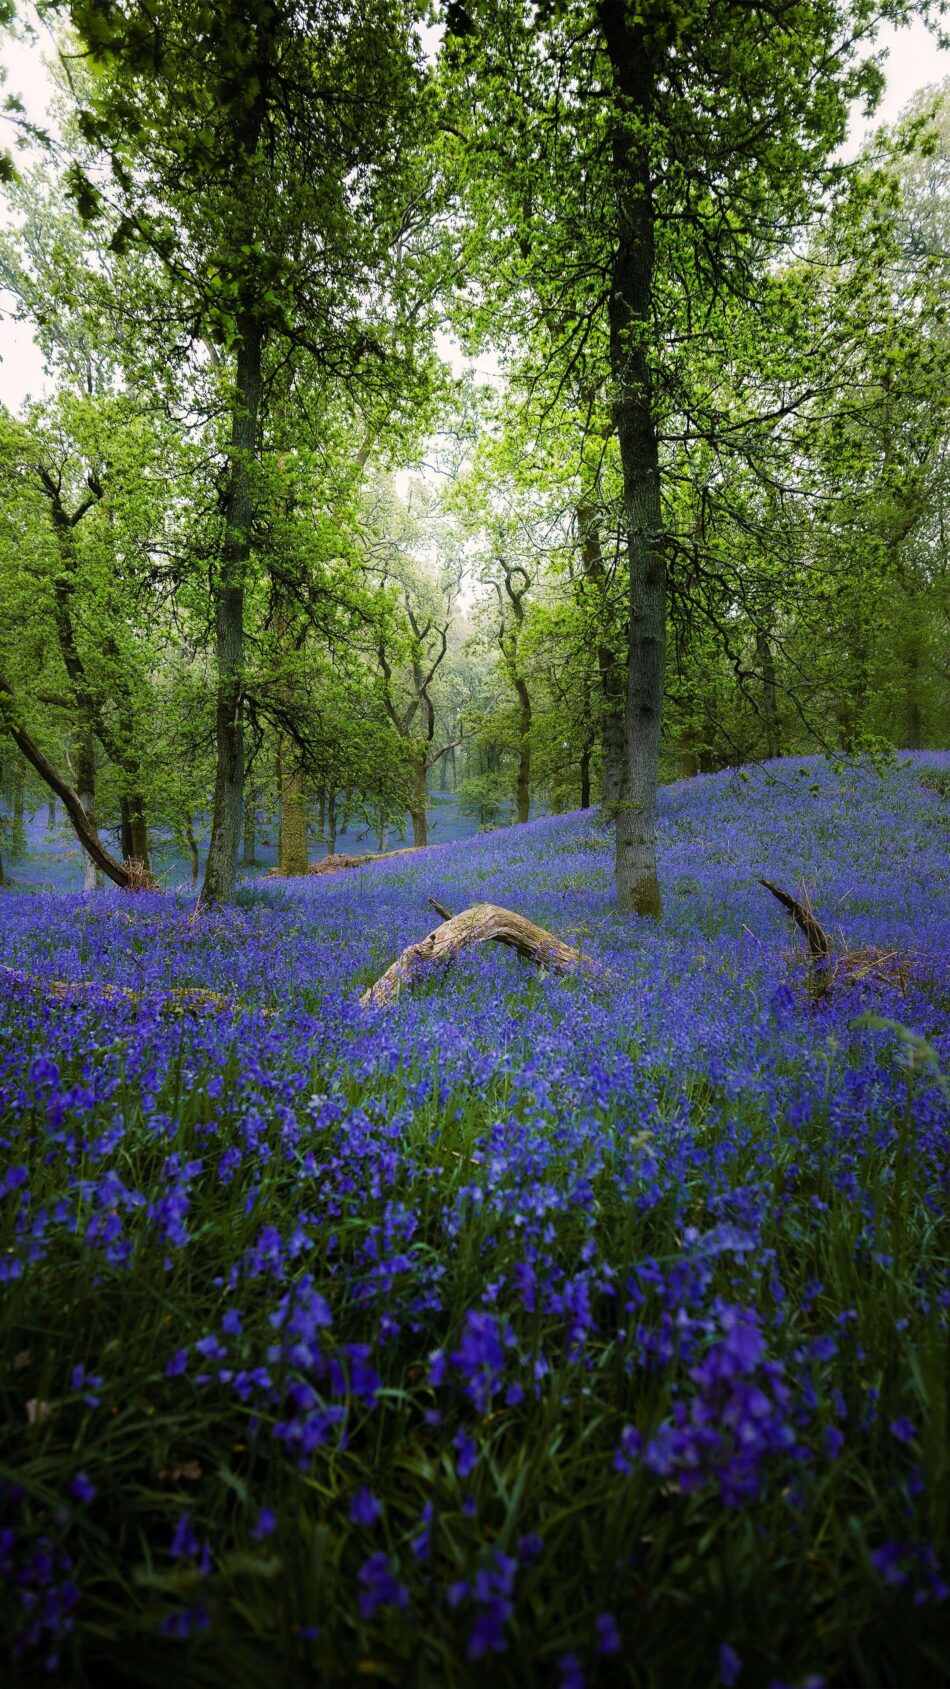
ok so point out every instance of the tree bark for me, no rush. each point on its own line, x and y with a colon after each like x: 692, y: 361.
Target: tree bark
x: 585, y: 777
x: 51, y: 814
x: 221, y: 865
x: 249, y: 846
x: 689, y: 761
x: 331, y: 823
x: 915, y: 736
x: 125, y: 829
x: 192, y: 849
x: 119, y: 747
x: 480, y: 924
x: 523, y: 786
x: 766, y: 661
x: 609, y: 668
x: 418, y: 809
x: 630, y: 313
x: 293, y: 818
x: 88, y: 837
x: 18, y: 838
x: 86, y: 789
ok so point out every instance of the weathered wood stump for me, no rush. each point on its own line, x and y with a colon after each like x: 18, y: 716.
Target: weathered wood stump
x: 481, y: 924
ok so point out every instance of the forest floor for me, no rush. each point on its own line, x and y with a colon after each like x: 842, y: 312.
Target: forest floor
x: 532, y: 1330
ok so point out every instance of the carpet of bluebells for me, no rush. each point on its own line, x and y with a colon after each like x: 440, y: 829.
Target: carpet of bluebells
x: 532, y: 1331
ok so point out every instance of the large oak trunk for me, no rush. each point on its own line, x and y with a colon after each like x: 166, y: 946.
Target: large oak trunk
x: 221, y: 865
x: 630, y: 307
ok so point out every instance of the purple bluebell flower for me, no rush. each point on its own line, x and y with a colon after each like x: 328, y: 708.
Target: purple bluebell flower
x: 730, y: 1665
x: 364, y: 1508
x: 81, y: 1489
x: 379, y: 1587
x: 608, y: 1635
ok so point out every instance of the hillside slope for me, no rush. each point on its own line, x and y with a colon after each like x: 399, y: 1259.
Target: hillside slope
x: 531, y: 1330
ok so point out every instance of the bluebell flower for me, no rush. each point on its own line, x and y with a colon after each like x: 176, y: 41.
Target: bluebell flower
x: 364, y: 1508
x: 608, y: 1635
x: 730, y: 1665
x: 379, y: 1587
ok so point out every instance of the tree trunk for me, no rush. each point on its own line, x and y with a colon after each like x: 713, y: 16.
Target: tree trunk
x: 629, y: 310
x: 523, y: 786
x: 766, y: 661
x: 18, y: 836
x: 87, y: 835
x: 381, y: 830
x: 609, y: 668
x: 293, y: 818
x: 221, y: 866
x: 125, y: 830
x: 86, y: 791
x: 192, y: 849
x: 612, y: 734
x: 118, y: 746
x: 249, y: 847
x: 915, y: 736
x: 331, y: 823
x: 585, y: 777
x: 689, y: 761
x: 418, y: 806
x: 141, y: 851
x: 51, y: 814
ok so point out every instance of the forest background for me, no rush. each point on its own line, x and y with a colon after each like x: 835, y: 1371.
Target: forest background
x: 326, y: 501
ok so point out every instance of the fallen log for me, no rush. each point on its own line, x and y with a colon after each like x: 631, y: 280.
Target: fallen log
x: 482, y: 923
x: 335, y: 863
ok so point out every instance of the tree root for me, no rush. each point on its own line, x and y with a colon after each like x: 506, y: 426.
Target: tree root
x: 478, y: 925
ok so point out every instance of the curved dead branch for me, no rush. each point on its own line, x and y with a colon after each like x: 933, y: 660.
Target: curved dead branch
x: 819, y: 944
x: 482, y: 923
